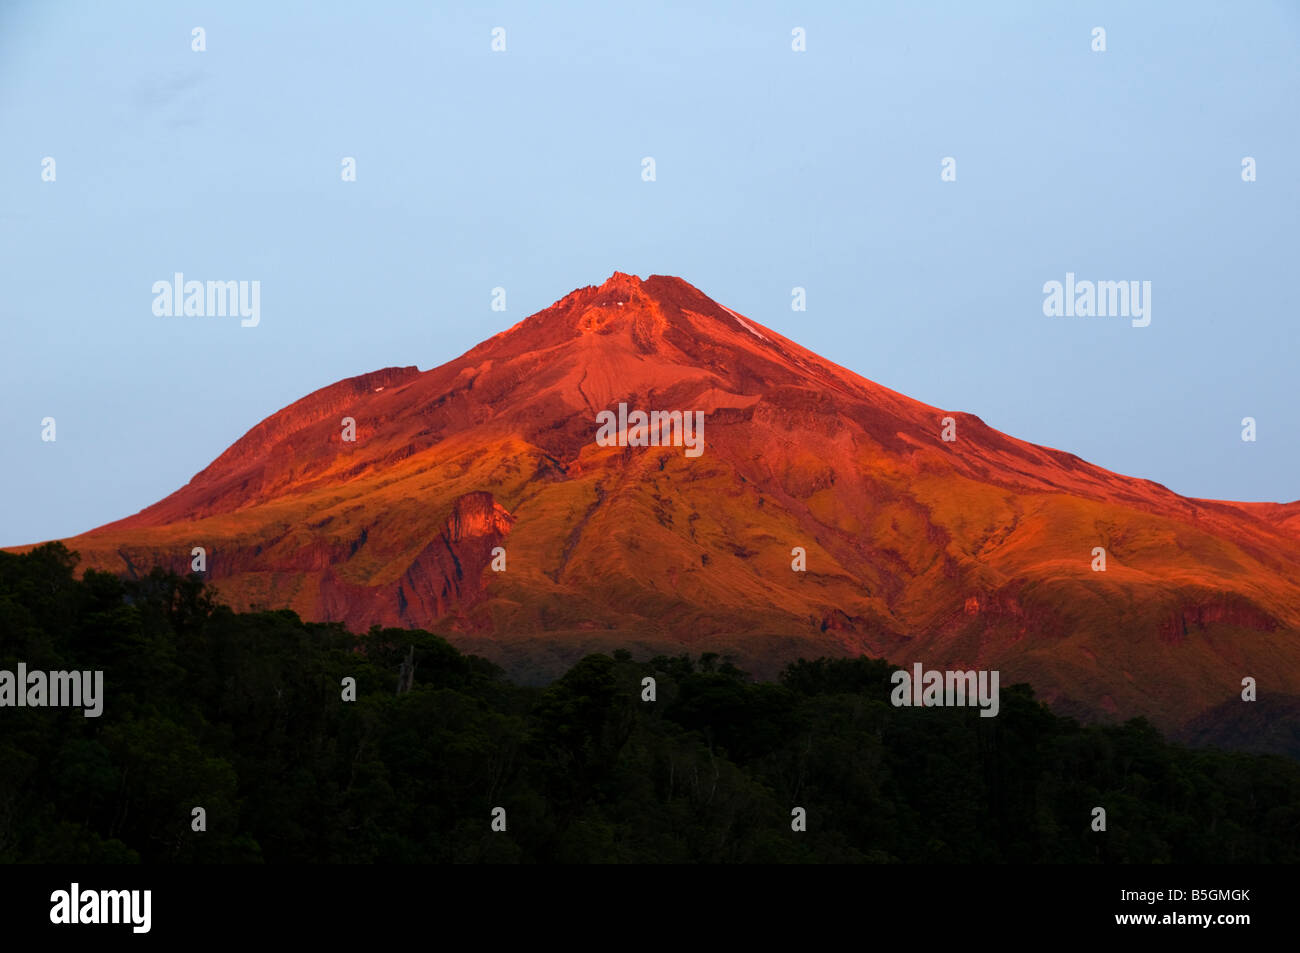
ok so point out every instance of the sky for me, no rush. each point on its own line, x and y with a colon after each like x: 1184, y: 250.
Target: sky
x: 522, y: 169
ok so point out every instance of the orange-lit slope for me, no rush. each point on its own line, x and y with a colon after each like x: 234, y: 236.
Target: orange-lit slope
x: 976, y: 552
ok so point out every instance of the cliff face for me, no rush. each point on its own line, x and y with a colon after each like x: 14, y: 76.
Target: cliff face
x: 971, y: 552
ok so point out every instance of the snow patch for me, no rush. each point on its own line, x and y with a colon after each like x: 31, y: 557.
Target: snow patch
x: 742, y: 322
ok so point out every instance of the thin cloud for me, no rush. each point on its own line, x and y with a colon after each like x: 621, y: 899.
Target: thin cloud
x: 154, y: 96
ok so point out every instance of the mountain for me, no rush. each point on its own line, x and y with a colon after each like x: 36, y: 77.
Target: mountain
x: 970, y: 553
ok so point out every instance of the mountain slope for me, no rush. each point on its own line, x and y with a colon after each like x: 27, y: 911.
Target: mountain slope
x: 970, y: 553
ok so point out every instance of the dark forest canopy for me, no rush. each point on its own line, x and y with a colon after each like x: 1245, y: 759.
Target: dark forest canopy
x: 242, y: 714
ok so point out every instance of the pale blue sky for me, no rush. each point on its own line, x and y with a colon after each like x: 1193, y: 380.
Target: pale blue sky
x: 775, y: 169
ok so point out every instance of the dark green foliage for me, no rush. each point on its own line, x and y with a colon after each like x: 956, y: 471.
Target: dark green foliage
x: 242, y: 714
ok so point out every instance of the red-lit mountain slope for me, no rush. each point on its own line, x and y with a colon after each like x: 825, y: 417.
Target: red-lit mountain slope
x: 972, y: 553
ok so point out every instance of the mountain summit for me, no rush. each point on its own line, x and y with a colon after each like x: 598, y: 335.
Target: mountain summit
x: 475, y: 499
